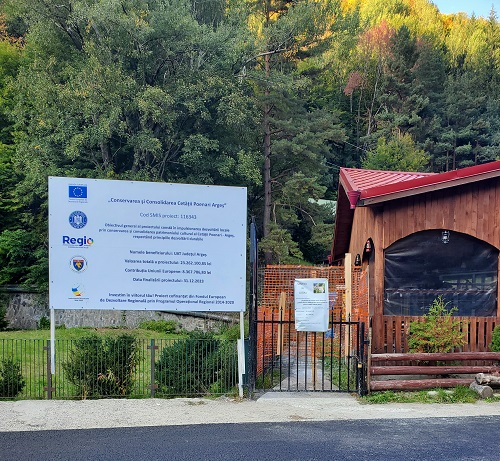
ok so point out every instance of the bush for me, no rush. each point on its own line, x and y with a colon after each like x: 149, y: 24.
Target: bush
x: 4, y: 301
x: 437, y: 332
x: 11, y: 379
x: 103, y: 367
x: 44, y: 323
x: 160, y: 326
x: 232, y: 332
x: 495, y: 340
x: 197, y: 365
x: 3, y: 323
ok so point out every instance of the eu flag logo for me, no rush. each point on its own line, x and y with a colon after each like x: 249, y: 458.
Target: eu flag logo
x: 77, y: 192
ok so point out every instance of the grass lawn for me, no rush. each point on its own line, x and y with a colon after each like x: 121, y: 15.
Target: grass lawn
x: 460, y: 394
x: 76, y: 333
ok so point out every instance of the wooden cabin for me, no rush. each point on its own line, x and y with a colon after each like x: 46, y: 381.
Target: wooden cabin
x: 420, y: 236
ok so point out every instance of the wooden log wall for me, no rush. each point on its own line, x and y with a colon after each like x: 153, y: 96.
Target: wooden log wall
x: 384, y: 368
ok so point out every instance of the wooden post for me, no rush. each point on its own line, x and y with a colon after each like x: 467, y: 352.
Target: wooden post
x: 152, y: 385
x: 369, y: 358
x: 281, y: 308
x: 348, y: 300
x: 348, y: 285
x: 314, y: 274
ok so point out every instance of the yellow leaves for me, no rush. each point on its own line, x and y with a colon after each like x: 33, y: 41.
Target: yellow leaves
x: 141, y: 20
x: 255, y: 24
x: 82, y: 93
x: 349, y: 5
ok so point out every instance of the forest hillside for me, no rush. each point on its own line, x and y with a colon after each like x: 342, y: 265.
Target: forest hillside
x: 272, y: 95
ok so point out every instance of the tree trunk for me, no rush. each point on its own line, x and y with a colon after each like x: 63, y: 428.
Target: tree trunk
x: 492, y: 379
x: 267, y: 164
x: 485, y: 392
x: 105, y: 154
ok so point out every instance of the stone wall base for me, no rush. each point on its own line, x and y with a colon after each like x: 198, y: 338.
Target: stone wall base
x: 24, y: 311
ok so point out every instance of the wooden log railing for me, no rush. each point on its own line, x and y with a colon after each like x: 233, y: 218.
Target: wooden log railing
x: 383, y: 365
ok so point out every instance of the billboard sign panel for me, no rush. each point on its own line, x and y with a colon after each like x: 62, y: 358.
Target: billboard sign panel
x: 133, y: 245
x: 311, y: 304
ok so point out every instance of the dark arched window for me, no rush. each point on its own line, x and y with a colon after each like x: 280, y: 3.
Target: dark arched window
x: 427, y: 264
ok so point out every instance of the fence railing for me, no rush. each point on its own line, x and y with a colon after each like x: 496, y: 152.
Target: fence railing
x: 391, y: 334
x: 138, y: 368
x: 331, y: 361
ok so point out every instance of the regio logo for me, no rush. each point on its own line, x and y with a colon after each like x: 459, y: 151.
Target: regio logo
x: 77, y: 242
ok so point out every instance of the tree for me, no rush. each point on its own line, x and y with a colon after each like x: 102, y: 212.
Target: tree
x: 367, y: 82
x: 136, y: 95
x: 437, y: 331
x: 10, y: 59
x: 15, y: 253
x: 270, y: 94
x: 295, y: 134
x: 130, y: 90
x: 467, y: 135
x: 397, y: 154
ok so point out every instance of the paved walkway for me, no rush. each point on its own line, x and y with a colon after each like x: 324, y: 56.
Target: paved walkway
x: 304, y: 375
x: 35, y: 415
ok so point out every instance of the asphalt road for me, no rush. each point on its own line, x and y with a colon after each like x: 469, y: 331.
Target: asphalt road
x: 423, y: 439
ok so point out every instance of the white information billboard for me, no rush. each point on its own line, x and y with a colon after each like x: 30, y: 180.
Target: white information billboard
x: 130, y: 245
x: 311, y: 304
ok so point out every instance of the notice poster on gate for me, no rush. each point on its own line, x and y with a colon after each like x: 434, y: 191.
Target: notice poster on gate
x: 131, y: 245
x: 311, y: 304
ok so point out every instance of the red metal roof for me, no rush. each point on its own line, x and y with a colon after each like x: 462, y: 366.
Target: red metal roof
x: 356, y: 179
x: 373, y: 186
x: 369, y: 187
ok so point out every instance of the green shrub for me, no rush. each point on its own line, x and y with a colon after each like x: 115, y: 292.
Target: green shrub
x: 495, y: 340
x: 437, y: 332
x: 3, y: 322
x: 340, y: 373
x: 11, y: 379
x: 268, y: 379
x: 44, y: 323
x: 4, y: 300
x: 160, y: 326
x: 232, y: 332
x: 103, y: 367
x: 197, y: 365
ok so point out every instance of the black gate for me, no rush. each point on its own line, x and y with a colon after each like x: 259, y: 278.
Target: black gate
x: 289, y: 360
x: 280, y: 358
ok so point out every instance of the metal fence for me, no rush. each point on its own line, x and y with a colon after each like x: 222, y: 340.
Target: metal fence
x: 107, y: 368
x: 334, y: 361
x: 289, y: 360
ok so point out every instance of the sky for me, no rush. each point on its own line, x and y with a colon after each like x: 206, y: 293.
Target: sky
x: 479, y: 7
